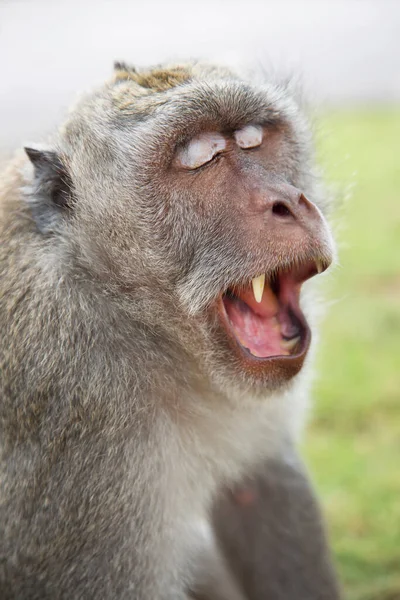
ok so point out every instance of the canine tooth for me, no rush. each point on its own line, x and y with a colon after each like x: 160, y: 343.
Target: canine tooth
x: 258, y: 287
x: 319, y: 266
x: 290, y: 344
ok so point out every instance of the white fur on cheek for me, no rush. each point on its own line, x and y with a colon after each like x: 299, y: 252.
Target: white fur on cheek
x: 200, y: 150
x: 249, y: 137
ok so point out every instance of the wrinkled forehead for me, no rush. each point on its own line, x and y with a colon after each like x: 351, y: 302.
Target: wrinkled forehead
x: 221, y: 104
x: 134, y: 123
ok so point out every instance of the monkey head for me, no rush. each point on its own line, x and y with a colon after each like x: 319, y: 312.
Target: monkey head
x: 188, y: 192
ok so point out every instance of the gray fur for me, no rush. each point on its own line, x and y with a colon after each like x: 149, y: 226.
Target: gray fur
x: 121, y: 421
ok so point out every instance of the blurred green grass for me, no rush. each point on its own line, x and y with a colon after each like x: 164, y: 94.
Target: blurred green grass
x: 353, y: 444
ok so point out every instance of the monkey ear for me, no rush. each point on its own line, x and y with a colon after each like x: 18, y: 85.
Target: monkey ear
x: 50, y: 195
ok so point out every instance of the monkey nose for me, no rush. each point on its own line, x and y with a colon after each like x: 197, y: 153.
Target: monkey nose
x: 298, y: 209
x: 283, y: 203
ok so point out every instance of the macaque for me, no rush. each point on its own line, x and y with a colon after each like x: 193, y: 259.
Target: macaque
x: 155, y: 346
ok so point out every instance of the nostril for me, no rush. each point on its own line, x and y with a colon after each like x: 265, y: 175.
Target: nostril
x: 281, y: 210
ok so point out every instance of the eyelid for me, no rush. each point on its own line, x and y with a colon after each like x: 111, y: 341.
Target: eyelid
x: 249, y: 136
x: 200, y: 150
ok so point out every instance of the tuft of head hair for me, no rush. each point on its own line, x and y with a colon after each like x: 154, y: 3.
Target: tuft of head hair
x: 157, y: 79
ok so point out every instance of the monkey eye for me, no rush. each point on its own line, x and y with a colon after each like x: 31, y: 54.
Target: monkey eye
x: 249, y: 136
x: 200, y: 150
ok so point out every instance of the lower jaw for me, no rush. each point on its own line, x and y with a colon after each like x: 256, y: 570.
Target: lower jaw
x: 279, y: 368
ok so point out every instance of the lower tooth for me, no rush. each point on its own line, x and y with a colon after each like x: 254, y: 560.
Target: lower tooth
x: 290, y: 344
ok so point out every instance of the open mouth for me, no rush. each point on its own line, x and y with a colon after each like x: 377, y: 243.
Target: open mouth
x: 264, y: 319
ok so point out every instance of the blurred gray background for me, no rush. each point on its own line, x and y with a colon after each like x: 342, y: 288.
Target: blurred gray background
x: 344, y: 51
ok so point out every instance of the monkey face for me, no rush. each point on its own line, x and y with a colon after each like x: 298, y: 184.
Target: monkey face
x: 214, y: 183
x: 273, y: 234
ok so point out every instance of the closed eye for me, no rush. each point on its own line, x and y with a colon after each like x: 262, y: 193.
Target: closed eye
x: 250, y: 136
x: 201, y: 150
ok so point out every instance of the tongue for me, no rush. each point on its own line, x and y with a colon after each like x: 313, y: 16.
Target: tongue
x: 255, y: 324
x: 261, y: 335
